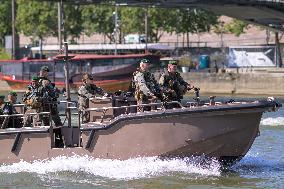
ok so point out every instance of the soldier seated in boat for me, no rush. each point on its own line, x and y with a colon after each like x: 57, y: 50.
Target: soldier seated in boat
x: 174, y: 86
x: 32, y: 100
x: 146, y: 87
x: 86, y: 91
x: 9, y: 109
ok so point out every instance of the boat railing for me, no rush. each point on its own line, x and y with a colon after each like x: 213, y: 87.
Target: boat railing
x: 127, y: 108
x: 73, y: 105
x: 3, y: 126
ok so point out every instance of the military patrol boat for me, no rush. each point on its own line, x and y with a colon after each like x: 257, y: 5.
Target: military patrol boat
x: 116, y: 130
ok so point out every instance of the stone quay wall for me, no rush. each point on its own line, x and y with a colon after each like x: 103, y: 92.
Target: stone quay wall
x: 251, y: 83
x: 229, y: 82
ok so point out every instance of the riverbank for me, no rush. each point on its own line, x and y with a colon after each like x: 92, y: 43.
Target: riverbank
x: 240, y: 82
x: 261, y: 81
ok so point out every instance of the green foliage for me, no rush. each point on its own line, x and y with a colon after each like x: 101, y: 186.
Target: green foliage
x: 5, y: 20
x: 236, y: 27
x: 37, y: 19
x: 4, y: 55
x: 98, y: 19
x: 220, y: 28
x: 133, y: 21
x: 193, y: 21
x: 158, y: 20
x: 73, y: 26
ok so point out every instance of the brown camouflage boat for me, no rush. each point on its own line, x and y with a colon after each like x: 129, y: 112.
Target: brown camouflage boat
x: 225, y: 131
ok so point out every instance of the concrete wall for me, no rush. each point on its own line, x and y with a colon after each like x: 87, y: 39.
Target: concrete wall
x: 256, y: 83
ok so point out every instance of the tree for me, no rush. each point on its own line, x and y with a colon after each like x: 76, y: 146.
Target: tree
x: 98, y: 19
x: 220, y: 30
x: 37, y: 19
x: 192, y: 21
x: 236, y: 27
x: 133, y: 21
x: 72, y: 22
x: 5, y: 20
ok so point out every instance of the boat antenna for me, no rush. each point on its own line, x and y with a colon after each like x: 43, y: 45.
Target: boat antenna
x: 66, y: 70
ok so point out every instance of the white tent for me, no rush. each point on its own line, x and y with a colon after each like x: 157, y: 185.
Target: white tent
x: 244, y: 57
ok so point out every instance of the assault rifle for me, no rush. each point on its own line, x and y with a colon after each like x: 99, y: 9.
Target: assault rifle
x: 157, y: 91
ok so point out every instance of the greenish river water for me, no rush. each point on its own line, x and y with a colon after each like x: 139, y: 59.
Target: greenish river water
x: 262, y: 167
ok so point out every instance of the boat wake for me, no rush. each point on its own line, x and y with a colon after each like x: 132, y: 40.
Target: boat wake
x: 272, y: 121
x: 145, y: 167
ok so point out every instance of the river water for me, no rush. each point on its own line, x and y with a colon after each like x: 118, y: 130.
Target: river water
x: 262, y: 167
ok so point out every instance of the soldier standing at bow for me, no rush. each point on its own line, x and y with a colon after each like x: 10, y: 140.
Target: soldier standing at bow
x: 146, y: 87
x: 86, y: 91
x: 49, y: 97
x: 174, y: 86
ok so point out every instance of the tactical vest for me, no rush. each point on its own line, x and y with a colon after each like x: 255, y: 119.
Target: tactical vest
x: 150, y: 83
x: 32, y: 98
x: 172, y: 81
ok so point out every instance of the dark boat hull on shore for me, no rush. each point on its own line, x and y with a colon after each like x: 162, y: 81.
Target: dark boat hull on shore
x: 224, y: 131
x: 111, y: 72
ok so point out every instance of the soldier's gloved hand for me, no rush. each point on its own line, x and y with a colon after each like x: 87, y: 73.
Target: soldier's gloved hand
x: 189, y: 87
x: 106, y: 95
x: 153, y: 98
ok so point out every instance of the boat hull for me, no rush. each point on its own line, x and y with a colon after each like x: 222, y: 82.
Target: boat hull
x: 107, y: 85
x: 215, y: 135
x: 223, y: 133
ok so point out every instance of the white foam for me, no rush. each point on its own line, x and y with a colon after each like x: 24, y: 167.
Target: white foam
x: 272, y: 121
x: 116, y: 169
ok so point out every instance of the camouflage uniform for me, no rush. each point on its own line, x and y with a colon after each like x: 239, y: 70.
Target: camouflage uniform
x: 9, y: 109
x: 174, y: 86
x: 1, y: 109
x: 49, y: 98
x: 85, y: 92
x: 32, y: 99
x: 49, y: 95
x: 146, y: 87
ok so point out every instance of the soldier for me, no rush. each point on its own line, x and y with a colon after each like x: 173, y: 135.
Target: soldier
x: 49, y: 96
x: 86, y: 91
x: 43, y: 75
x: 174, y: 86
x: 2, y: 103
x: 9, y: 109
x: 146, y: 88
x: 33, y: 103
